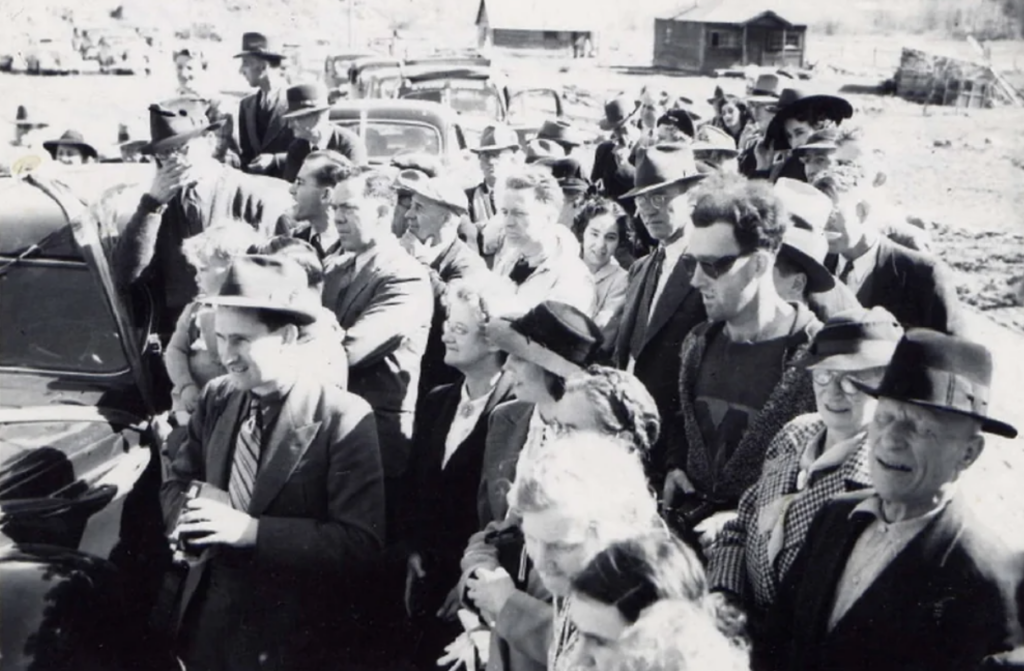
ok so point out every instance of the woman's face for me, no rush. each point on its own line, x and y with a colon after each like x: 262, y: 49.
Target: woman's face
x: 669, y: 133
x: 575, y: 412
x: 210, y: 275
x: 600, y: 626
x: 730, y: 114
x: 528, y: 379
x: 797, y: 132
x: 559, y: 546
x: 845, y: 409
x: 600, y: 240
x: 464, y: 341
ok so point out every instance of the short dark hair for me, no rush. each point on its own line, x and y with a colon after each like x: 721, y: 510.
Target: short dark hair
x: 815, y: 116
x: 555, y: 384
x: 749, y: 206
x: 330, y: 171
x: 300, y: 251
x: 274, y: 320
x: 376, y: 183
x: 598, y: 206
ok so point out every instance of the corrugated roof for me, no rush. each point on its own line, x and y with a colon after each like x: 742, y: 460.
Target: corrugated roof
x: 549, y: 15
x: 727, y: 11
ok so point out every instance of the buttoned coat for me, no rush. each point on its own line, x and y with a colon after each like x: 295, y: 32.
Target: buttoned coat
x: 277, y: 136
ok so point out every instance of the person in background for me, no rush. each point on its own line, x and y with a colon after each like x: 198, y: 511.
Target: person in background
x: 440, y: 499
x: 716, y: 150
x: 675, y: 126
x: 309, y: 117
x: 916, y: 287
x: 535, y: 254
x: 562, y: 132
x: 604, y: 231
x: 263, y: 132
x: 733, y: 116
x: 614, y: 168
x: 574, y: 186
x: 499, y: 153
x: 905, y: 575
x: 71, y: 149
x: 799, y: 114
x: 538, y: 148
x: 188, y: 64
x: 814, y: 458
x: 411, y: 168
x: 651, y: 109
x: 312, y: 209
x: 728, y: 413
x: 25, y: 127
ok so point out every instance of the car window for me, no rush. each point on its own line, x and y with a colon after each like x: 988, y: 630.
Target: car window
x: 55, y: 318
x: 470, y: 98
x: 385, y: 139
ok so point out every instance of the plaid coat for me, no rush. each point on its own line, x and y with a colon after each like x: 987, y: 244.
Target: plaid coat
x: 738, y: 561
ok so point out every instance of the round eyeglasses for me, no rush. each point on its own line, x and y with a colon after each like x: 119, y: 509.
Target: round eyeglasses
x: 847, y: 382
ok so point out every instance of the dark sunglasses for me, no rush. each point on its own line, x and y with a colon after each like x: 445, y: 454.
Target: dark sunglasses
x: 712, y: 267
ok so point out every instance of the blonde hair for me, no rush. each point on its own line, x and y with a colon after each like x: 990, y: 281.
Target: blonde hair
x: 223, y: 242
x: 540, y: 181
x: 488, y: 295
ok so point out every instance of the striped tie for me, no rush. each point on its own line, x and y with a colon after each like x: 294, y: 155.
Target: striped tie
x: 247, y: 457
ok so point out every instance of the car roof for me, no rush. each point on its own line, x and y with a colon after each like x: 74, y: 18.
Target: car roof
x: 434, y: 73
x: 393, y: 109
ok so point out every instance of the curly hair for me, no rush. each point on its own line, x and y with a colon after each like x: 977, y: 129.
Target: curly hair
x: 300, y: 251
x: 540, y: 181
x: 222, y: 241
x: 623, y: 405
x: 376, y: 183
x: 599, y: 206
x: 751, y: 207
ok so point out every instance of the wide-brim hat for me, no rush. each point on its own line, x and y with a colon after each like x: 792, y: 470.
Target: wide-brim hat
x: 174, y: 122
x: 497, y: 138
x: 268, y: 283
x: 440, y: 190
x: 540, y: 148
x: 768, y: 87
x: 664, y: 165
x: 806, y: 204
x: 941, y: 372
x: 807, y: 250
x: 679, y: 118
x: 560, y: 131
x: 855, y: 339
x: 428, y: 164
x: 258, y: 44
x: 794, y: 101
x: 618, y: 111
x: 712, y: 138
x: 553, y: 335
x: 824, y: 140
x: 568, y: 172
x: 71, y: 138
x: 306, y: 99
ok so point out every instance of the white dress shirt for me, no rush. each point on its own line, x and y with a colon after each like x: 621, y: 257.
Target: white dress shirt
x: 863, y: 266
x: 465, y: 419
x: 673, y: 251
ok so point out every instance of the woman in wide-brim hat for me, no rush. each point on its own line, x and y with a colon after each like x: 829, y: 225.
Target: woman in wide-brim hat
x: 800, y: 114
x: 71, y: 148
x: 812, y: 459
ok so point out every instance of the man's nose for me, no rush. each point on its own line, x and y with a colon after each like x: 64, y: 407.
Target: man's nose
x: 700, y: 278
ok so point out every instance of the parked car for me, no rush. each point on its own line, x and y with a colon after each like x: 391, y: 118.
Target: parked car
x: 336, y: 73
x: 367, y: 76
x: 52, y: 56
x: 82, y: 550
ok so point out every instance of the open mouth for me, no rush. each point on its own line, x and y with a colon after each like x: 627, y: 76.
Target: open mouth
x: 893, y: 467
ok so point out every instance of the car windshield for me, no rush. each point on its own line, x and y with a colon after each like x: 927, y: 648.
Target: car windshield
x: 465, y: 99
x: 385, y: 139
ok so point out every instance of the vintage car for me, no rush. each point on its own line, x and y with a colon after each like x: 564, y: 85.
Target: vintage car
x: 82, y: 551
x: 336, y: 73
x: 392, y: 127
x: 370, y: 77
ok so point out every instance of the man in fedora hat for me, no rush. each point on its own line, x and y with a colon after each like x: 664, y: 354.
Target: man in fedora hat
x: 190, y: 192
x: 661, y: 307
x: 24, y: 124
x: 263, y: 133
x: 613, y: 168
x: 188, y: 63
x: 574, y: 186
x: 904, y: 576
x: 71, y: 149
x: 562, y: 132
x: 289, y: 510
x: 499, y: 152
x: 432, y: 237
x: 716, y: 149
x: 308, y: 116
x: 320, y: 173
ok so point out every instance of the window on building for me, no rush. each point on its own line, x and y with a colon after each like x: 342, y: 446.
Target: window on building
x: 776, y: 40
x: 726, y: 39
x: 667, y: 34
x: 551, y: 35
x: 792, y: 40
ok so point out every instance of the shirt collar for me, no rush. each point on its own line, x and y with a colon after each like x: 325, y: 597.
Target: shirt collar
x: 465, y: 399
x: 607, y: 270
x: 873, y: 506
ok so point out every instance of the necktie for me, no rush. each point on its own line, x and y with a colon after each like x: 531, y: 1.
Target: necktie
x: 844, y: 275
x: 643, y: 313
x: 247, y: 457
x: 521, y: 271
x: 190, y: 206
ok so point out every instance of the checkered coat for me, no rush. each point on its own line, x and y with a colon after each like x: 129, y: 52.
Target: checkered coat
x: 738, y: 562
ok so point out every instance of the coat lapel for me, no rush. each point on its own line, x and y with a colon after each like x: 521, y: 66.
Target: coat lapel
x: 360, y: 284
x: 276, y: 122
x: 879, y: 278
x: 628, y: 324
x: 676, y: 290
x: 222, y: 438
x: 249, y: 113
x: 294, y: 431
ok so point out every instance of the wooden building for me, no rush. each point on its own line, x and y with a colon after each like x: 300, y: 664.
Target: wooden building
x: 534, y: 24
x: 714, y: 34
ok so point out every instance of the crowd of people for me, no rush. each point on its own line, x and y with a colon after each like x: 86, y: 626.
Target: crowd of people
x: 706, y: 407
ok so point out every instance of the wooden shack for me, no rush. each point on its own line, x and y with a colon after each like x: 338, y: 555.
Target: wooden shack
x: 935, y: 79
x: 534, y: 24
x: 714, y: 34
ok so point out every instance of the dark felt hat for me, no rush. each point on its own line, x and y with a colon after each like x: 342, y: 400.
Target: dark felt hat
x: 540, y: 148
x: 496, y: 138
x: 555, y: 336
x: 275, y: 283
x: 794, y: 101
x: 663, y: 165
x: 568, y: 172
x: 174, y: 122
x: 618, y: 111
x: 440, y: 190
x: 679, y: 118
x: 713, y: 138
x: 941, y: 372
x: 70, y: 138
x: 258, y: 44
x: 21, y: 118
x: 427, y: 164
x: 807, y: 249
x: 768, y: 87
x: 306, y: 99
x: 560, y: 131
x: 855, y: 339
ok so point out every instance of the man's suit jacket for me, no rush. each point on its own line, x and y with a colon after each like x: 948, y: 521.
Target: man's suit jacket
x: 679, y: 308
x: 440, y: 511
x: 506, y: 436
x: 456, y: 261
x: 918, y: 289
x: 952, y: 597
x: 319, y: 499
x: 385, y: 309
x: 342, y: 140
x: 276, y: 136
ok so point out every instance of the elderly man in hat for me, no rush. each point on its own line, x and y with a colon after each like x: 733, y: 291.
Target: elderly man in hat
x: 499, y: 152
x: 438, y: 205
x: 660, y: 307
x: 562, y: 132
x: 188, y: 64
x: 613, y: 159
x: 190, y: 192
x: 739, y: 382
x: 71, y: 149
x: 279, y: 488
x: 715, y: 150
x: 414, y: 166
x: 263, y: 133
x: 904, y: 576
x: 320, y: 173
x: 309, y: 118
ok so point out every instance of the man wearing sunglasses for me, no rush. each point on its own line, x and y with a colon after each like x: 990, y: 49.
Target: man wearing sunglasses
x: 661, y: 307
x: 738, y: 381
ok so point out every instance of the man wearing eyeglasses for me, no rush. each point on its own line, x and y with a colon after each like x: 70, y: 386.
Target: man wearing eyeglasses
x: 738, y: 382
x: 660, y: 307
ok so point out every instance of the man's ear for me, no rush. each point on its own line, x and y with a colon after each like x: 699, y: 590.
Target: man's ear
x: 800, y: 283
x: 325, y: 195
x: 975, y: 446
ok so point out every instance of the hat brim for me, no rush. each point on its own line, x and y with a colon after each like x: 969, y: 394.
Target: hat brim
x: 504, y: 337
x: 988, y: 425
x: 690, y: 179
x: 305, y: 111
x: 84, y: 147
x: 868, y: 354
x: 703, y: 146
x: 303, y: 316
x: 180, y: 139
x: 823, y: 147
x: 494, y: 148
x: 260, y: 54
x: 837, y: 109
x: 454, y: 207
x: 819, y: 279
x: 574, y: 184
